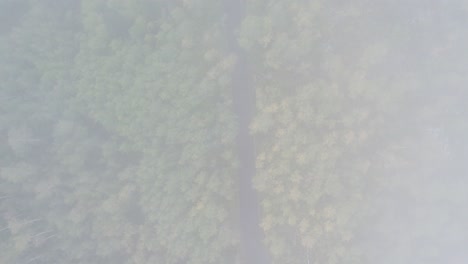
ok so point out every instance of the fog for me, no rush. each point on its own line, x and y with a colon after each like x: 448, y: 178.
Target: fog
x: 234, y: 131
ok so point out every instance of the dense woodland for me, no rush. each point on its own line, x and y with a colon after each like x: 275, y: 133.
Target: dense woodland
x: 233, y: 132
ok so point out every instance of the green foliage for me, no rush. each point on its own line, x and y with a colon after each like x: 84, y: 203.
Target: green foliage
x: 118, y: 134
x: 127, y: 106
x: 330, y: 125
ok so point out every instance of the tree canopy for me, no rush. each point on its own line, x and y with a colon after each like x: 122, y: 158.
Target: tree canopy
x: 127, y: 129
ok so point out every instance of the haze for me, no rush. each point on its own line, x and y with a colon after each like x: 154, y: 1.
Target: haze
x: 233, y: 132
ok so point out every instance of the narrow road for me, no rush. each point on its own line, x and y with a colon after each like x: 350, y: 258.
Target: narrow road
x: 252, y: 249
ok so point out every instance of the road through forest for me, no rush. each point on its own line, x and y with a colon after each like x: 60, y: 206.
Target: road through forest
x: 253, y: 250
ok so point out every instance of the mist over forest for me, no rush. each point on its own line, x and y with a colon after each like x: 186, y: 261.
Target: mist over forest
x: 233, y: 132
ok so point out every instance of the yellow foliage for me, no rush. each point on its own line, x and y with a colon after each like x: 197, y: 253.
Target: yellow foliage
x: 329, y: 212
x: 308, y: 242
x: 349, y: 137
x: 303, y: 226
x: 267, y: 223
x: 294, y: 194
x: 329, y: 226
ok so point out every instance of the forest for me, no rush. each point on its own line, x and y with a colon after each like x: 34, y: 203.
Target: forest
x: 233, y: 132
